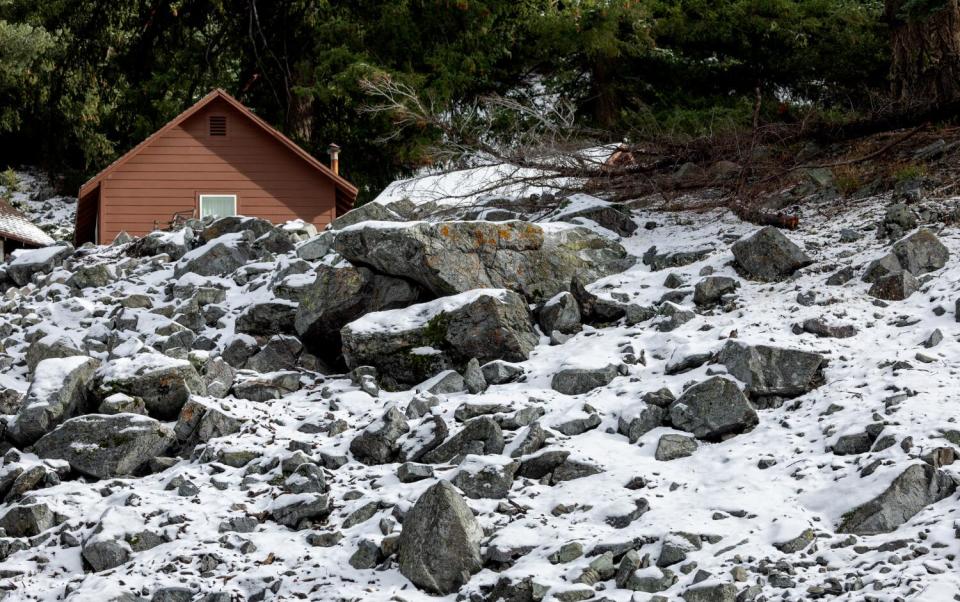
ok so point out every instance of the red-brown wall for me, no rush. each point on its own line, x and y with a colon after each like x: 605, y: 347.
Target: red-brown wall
x: 169, y: 174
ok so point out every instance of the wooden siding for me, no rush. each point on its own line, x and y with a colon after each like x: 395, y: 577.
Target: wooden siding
x: 168, y: 175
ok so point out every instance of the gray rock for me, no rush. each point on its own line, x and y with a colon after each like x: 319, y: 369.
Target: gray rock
x: 61, y: 389
x: 769, y: 256
x: 377, y: 212
x: 164, y: 384
x: 881, y: 267
x: 711, y: 289
x: 857, y: 443
x: 220, y: 257
x: 824, y: 329
x: 914, y: 489
x: 723, y: 592
x: 377, y: 443
x: 200, y: 421
x: 639, y: 419
x: 560, y: 313
x: 576, y: 381
x: 340, y: 295
x: 661, y: 261
x: 37, y: 261
x: 444, y: 383
x: 442, y: 335
x: 485, y: 476
x: 235, y: 224
x: 671, y: 316
x: 424, y: 437
x: 173, y: 244
x: 672, y: 447
x: 50, y: 347
x: 92, y: 276
x: 613, y: 218
x: 473, y: 377
x: 796, y: 544
x: 713, y: 410
x: 27, y: 520
x: 410, y: 472
x: 104, y: 446
x: 265, y: 387
x: 769, y: 370
x: 440, y: 541
x: 921, y: 252
x: 120, y: 403
x: 316, y: 247
x: 499, y: 372
x: 366, y: 556
x: 280, y: 352
x: 895, y: 287
x: 218, y: 377
x: 172, y: 594
x: 300, y: 510
x: 268, y: 318
x: 482, y: 436
x: 453, y: 257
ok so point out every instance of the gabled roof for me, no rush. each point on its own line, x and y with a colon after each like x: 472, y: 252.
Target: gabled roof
x: 16, y: 226
x: 342, y: 185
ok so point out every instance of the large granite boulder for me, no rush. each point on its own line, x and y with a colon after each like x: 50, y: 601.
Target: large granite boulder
x: 174, y: 244
x: 769, y: 256
x: 37, y: 261
x: 915, y: 488
x: 921, y: 252
x: 219, y: 257
x: 453, y: 257
x: 267, y: 318
x: 713, y: 410
x: 105, y: 446
x: 61, y: 389
x: 767, y: 370
x: 342, y: 294
x: 164, y: 383
x: 410, y: 345
x: 440, y: 541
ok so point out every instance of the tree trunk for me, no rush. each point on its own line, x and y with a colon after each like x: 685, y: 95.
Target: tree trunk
x: 925, y: 52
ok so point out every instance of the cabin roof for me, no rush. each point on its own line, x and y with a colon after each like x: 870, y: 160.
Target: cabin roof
x: 16, y: 226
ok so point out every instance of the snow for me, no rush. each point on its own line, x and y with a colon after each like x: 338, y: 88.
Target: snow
x: 142, y: 363
x: 415, y: 316
x: 48, y: 378
x: 35, y: 256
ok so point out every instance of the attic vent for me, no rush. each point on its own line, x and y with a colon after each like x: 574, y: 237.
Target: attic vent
x: 218, y: 125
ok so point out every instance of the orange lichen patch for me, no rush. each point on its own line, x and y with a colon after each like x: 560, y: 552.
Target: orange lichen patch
x: 505, y: 233
x: 445, y: 231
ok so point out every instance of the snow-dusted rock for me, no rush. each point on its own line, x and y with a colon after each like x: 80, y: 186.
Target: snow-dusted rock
x: 446, y: 258
x: 560, y: 313
x: 236, y: 224
x: 767, y: 370
x: 713, y: 409
x: 93, y: 276
x: 412, y: 344
x: 921, y: 252
x: 164, y: 383
x: 267, y: 318
x: 768, y: 255
x: 61, y: 389
x: 173, y: 244
x: 440, y: 541
x: 104, y: 446
x: 37, y: 261
x: 200, y: 421
x: 377, y: 443
x: 219, y: 257
x: 485, y: 476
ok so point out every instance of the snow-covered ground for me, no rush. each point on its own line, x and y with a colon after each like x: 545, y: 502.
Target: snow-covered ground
x: 719, y: 493
x: 35, y: 196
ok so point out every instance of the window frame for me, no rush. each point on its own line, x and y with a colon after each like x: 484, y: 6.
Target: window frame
x: 236, y: 202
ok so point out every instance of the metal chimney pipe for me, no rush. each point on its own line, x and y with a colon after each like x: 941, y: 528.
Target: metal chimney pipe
x: 334, y: 152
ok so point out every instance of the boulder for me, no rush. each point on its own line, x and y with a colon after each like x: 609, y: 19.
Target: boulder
x: 576, y: 381
x: 661, y: 261
x: 219, y: 257
x: 921, y: 252
x: 561, y: 313
x: 377, y: 443
x: 711, y: 289
x: 201, y: 421
x: 412, y: 344
x: 61, y: 389
x: 880, y: 267
x: 92, y: 276
x: 103, y: 446
x: 640, y: 419
x: 50, y: 346
x: 481, y: 436
x: 342, y: 294
x: 316, y: 247
x: 769, y: 256
x: 295, y: 510
x: 485, y: 476
x: 37, y: 261
x: 716, y: 592
x: 769, y: 370
x: 672, y: 447
x: 267, y: 318
x: 915, y: 488
x: 895, y: 287
x: 174, y: 244
x: 713, y: 410
x: 370, y: 212
x: 164, y: 383
x: 235, y: 224
x: 440, y: 541
x: 27, y: 520
x: 280, y: 352
x: 453, y: 257
x: 499, y: 372
x: 264, y: 387
x: 615, y: 218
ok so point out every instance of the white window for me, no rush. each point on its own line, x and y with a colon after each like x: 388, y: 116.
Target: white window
x: 219, y: 205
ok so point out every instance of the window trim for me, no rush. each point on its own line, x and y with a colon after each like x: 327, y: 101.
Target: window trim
x: 236, y: 202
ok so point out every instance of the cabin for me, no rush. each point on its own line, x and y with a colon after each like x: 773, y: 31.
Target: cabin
x: 216, y: 158
x: 18, y: 232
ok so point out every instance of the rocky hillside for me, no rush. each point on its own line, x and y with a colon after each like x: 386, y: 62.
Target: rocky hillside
x: 595, y: 404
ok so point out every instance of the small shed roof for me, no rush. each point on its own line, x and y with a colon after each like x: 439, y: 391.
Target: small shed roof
x: 16, y: 226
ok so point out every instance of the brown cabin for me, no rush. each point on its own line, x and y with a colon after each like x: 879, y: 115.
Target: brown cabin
x: 215, y: 158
